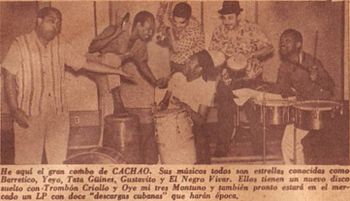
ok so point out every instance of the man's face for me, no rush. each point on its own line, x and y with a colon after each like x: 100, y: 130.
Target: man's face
x: 180, y: 23
x: 288, y: 45
x: 192, y: 69
x: 230, y: 21
x: 146, y: 31
x: 49, y: 26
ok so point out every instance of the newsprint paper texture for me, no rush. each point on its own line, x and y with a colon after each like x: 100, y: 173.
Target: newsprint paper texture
x: 171, y: 100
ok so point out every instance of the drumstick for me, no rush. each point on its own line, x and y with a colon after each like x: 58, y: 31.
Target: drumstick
x: 315, y: 47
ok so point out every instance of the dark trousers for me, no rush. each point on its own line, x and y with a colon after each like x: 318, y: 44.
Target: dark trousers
x: 7, y: 146
x: 202, y: 140
x: 226, y: 115
x: 149, y: 148
x: 256, y: 128
x: 227, y: 110
x: 148, y: 144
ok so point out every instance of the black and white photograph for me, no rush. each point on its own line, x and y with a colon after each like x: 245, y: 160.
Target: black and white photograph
x: 174, y: 82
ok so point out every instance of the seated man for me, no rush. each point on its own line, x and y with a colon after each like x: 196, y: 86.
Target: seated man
x: 193, y: 89
x: 245, y: 46
x: 302, y: 75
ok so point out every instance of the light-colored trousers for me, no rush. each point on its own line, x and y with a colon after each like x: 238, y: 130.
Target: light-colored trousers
x: 288, y: 145
x: 47, y: 130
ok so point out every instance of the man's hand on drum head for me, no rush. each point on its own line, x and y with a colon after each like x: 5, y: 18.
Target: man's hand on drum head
x: 254, y: 68
x: 21, y: 118
x: 313, y: 73
x: 161, y: 106
x: 225, y: 77
x: 176, y: 101
x: 162, y: 83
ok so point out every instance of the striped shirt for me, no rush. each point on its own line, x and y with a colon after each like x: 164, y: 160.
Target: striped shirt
x: 39, y: 72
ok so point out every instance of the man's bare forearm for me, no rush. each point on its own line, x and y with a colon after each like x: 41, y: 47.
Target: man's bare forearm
x: 263, y: 52
x: 103, y: 69
x: 10, y: 90
x: 147, y: 73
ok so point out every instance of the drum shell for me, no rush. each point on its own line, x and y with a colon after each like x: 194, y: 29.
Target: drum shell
x: 175, y: 138
x: 122, y: 134
x: 314, y: 119
x: 100, y: 155
x: 274, y: 115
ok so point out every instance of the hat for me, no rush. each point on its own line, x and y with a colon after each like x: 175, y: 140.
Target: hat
x: 230, y: 7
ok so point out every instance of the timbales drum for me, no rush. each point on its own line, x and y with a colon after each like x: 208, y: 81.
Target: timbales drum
x: 274, y: 112
x: 175, y: 137
x: 316, y: 114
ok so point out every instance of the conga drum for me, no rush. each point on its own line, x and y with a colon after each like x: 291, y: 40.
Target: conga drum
x: 101, y: 155
x: 122, y: 134
x: 175, y: 137
x: 316, y: 114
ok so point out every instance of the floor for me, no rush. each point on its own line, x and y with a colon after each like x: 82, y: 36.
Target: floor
x: 328, y: 146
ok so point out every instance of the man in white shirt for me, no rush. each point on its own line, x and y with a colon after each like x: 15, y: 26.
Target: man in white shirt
x: 193, y: 89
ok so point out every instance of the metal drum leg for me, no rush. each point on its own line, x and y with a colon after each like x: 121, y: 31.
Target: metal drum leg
x: 295, y: 145
x: 264, y: 135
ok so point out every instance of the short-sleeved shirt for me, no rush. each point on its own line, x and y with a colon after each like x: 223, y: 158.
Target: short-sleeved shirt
x: 188, y: 42
x: 39, y: 71
x: 195, y: 93
x: 240, y: 42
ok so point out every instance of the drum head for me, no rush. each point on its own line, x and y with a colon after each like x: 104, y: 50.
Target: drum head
x: 102, y: 155
x: 321, y: 105
x: 168, y: 112
x: 274, y: 102
x: 237, y: 63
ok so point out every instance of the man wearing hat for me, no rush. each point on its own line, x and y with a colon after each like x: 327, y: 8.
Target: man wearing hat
x: 244, y: 46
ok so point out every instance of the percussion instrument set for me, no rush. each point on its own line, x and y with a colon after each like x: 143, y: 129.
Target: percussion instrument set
x: 305, y: 115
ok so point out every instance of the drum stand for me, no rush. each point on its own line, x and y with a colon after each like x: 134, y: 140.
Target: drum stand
x: 295, y: 144
x: 264, y: 127
x: 264, y: 136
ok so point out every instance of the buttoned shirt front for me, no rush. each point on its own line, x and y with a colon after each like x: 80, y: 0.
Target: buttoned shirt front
x: 187, y: 42
x: 39, y: 72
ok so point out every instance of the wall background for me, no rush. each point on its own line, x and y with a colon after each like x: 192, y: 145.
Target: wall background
x: 273, y: 17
